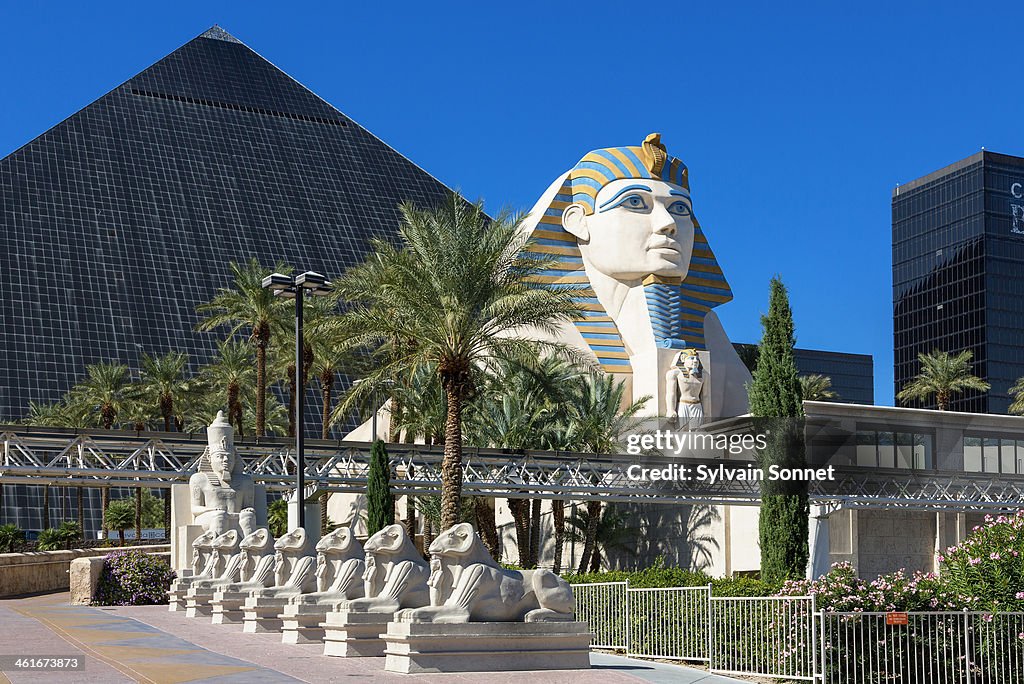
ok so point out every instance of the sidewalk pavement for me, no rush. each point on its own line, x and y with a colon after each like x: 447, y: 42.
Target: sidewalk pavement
x: 150, y: 644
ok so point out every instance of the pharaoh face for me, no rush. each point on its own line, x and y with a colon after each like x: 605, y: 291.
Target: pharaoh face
x: 691, y: 363
x: 639, y: 227
x: 223, y: 462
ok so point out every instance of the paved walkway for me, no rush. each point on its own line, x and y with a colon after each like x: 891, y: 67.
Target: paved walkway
x: 151, y: 644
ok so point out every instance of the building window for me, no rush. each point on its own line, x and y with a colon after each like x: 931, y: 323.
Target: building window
x: 890, y: 449
x: 993, y: 455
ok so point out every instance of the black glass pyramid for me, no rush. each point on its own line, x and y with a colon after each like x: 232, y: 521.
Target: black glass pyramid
x: 117, y: 222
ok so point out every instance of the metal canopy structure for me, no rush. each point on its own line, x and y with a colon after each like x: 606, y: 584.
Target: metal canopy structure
x: 96, y: 458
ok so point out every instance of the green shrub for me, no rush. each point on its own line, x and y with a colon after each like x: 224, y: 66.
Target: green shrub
x: 10, y: 536
x: 658, y: 576
x: 48, y: 540
x: 133, y: 578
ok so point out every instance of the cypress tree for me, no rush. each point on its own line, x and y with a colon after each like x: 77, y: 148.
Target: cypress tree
x: 380, y: 504
x: 775, y: 398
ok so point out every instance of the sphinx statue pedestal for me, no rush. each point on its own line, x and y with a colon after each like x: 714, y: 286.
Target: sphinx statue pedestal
x: 354, y: 635
x: 413, y: 647
x: 203, y: 566
x: 227, y: 565
x: 294, y: 575
x: 339, y: 573
x: 396, y: 578
x: 255, y: 571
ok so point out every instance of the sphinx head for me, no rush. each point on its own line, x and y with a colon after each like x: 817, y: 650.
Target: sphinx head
x: 256, y: 542
x: 227, y: 541
x: 629, y: 209
x: 391, y: 539
x: 292, y: 541
x: 339, y: 541
x: 455, y: 541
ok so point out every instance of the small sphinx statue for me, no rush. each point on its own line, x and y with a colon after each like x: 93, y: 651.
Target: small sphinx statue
x: 395, y: 578
x: 226, y: 568
x: 294, y: 574
x: 339, y: 577
x: 684, y: 390
x: 255, y: 571
x: 469, y: 586
x: 203, y: 566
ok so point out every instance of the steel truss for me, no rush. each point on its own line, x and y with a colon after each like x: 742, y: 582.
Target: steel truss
x: 158, y: 460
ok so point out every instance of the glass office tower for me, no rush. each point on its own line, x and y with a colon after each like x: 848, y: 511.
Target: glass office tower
x: 958, y: 273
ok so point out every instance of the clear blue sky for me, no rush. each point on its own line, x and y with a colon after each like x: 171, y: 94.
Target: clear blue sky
x: 796, y: 121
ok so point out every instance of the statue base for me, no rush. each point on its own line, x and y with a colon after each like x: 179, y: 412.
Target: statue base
x: 197, y: 602
x: 486, y: 646
x: 178, y: 591
x: 355, y: 635
x: 226, y: 607
x: 262, y: 614
x: 301, y: 622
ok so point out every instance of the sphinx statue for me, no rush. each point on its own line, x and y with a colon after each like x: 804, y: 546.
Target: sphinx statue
x: 620, y: 225
x: 339, y: 577
x: 225, y: 569
x: 203, y: 566
x: 395, y: 578
x: 219, y: 497
x: 471, y: 587
x: 255, y: 571
x: 485, y: 618
x: 294, y: 574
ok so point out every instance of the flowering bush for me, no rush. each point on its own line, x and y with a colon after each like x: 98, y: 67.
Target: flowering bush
x: 133, y: 578
x: 841, y: 590
x: 984, y: 572
x: 988, y: 567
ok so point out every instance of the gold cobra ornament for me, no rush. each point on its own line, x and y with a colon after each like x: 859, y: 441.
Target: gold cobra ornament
x: 654, y: 154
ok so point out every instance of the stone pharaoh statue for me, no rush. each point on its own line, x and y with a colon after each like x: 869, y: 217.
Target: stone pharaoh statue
x: 221, y: 495
x: 621, y: 225
x: 684, y: 384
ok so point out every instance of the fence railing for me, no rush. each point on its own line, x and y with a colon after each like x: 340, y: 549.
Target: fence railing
x: 788, y: 638
x: 763, y: 636
x: 958, y: 648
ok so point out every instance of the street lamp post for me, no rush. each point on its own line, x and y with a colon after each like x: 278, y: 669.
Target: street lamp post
x: 295, y: 288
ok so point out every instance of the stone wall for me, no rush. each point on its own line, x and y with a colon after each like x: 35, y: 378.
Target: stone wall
x: 890, y: 540
x: 48, y: 571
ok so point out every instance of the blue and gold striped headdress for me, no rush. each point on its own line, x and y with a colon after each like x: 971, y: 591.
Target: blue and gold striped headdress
x: 600, y: 167
x: 677, y: 308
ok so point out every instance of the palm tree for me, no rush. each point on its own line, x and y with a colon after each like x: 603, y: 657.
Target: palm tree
x: 330, y: 356
x: 525, y: 407
x: 453, y: 295
x: 597, y: 424
x: 225, y: 377
x: 248, y: 305
x: 63, y: 413
x: 612, y: 534
x: 106, y: 391
x: 1017, y: 392
x: 320, y: 330
x: 815, y: 387
x: 942, y: 374
x: 139, y: 414
x: 163, y: 379
x: 119, y: 515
